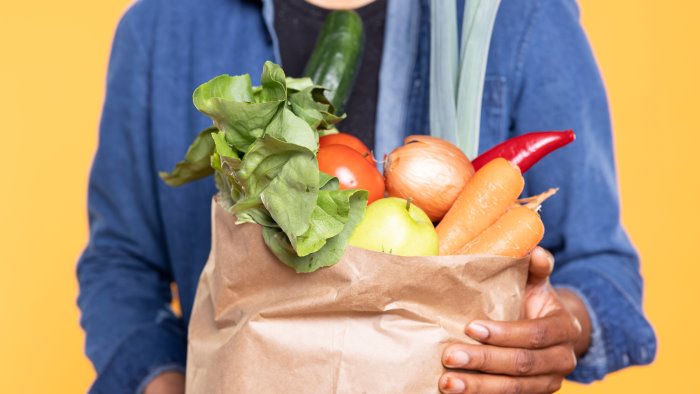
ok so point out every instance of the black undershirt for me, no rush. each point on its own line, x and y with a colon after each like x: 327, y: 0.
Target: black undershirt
x: 298, y: 23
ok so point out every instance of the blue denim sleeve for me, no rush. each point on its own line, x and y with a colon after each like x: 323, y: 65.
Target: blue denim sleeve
x: 558, y: 87
x: 131, y: 331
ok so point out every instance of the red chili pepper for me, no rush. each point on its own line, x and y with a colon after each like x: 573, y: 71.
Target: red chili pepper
x: 527, y: 149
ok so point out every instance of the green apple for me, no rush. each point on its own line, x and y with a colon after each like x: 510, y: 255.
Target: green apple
x: 394, y: 225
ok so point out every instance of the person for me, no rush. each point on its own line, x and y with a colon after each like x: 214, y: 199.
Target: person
x: 583, y: 316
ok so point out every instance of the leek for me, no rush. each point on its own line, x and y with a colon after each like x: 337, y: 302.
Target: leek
x: 443, y: 69
x: 477, y: 28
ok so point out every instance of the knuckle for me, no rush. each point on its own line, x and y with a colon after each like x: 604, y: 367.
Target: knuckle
x: 513, y: 386
x: 482, y: 359
x: 576, y: 328
x: 538, y: 337
x: 566, y: 360
x: 572, y: 361
x: 524, y: 361
x: 554, y: 384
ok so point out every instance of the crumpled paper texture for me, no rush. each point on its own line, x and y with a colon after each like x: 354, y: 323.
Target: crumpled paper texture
x: 373, y: 323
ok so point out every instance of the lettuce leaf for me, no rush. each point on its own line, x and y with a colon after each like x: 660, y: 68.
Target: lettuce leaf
x: 297, y: 84
x: 352, y: 203
x: 196, y: 163
x: 237, y: 109
x: 262, y: 151
x: 288, y: 127
x: 311, y: 105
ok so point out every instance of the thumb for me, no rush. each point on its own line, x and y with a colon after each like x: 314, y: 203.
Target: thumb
x: 541, y: 266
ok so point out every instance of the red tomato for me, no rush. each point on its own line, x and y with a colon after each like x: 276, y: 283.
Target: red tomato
x: 347, y: 140
x: 353, y: 171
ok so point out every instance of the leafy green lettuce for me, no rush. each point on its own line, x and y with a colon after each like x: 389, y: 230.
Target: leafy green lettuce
x: 262, y: 152
x: 196, y: 164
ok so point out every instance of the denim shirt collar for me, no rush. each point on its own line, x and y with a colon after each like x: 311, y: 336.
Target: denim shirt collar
x: 401, y: 37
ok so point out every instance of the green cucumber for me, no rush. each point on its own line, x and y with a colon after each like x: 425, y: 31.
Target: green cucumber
x: 335, y: 61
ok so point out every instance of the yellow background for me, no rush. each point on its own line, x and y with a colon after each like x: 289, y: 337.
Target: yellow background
x: 53, y: 56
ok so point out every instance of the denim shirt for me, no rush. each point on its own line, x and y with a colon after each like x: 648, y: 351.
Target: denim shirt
x: 145, y: 235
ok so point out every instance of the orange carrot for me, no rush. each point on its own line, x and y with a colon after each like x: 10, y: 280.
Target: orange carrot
x: 514, y: 234
x: 484, y: 199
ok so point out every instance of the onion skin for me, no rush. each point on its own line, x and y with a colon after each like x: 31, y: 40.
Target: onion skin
x: 429, y: 170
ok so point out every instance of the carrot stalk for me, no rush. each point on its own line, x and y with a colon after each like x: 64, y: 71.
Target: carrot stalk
x: 514, y: 234
x: 485, y: 198
x: 535, y: 202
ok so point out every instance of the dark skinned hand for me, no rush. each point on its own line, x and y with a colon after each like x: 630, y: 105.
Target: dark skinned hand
x: 170, y: 382
x: 526, y: 356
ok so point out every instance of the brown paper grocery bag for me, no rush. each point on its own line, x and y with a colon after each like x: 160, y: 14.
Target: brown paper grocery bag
x: 373, y: 323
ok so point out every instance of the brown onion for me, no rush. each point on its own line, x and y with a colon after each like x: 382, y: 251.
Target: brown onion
x: 429, y: 170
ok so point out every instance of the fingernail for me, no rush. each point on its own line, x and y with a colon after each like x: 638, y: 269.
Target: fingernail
x: 456, y: 359
x: 544, y: 253
x: 452, y: 385
x: 478, y: 331
x: 550, y: 258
